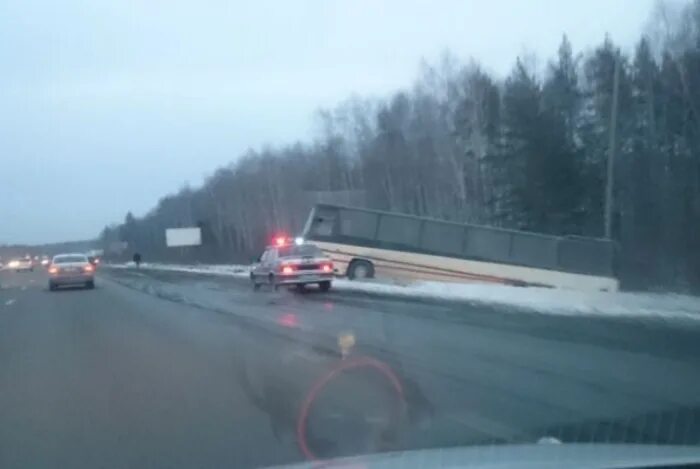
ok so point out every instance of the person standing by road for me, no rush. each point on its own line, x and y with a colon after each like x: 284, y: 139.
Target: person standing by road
x: 137, y: 259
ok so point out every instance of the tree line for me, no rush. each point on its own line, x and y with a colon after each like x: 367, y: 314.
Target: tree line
x: 527, y: 152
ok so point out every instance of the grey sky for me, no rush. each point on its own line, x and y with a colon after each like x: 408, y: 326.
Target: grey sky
x: 105, y: 106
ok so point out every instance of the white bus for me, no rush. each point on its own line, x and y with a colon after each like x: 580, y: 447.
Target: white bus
x: 364, y: 243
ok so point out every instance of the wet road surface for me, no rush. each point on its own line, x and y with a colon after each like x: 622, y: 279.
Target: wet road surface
x: 163, y: 369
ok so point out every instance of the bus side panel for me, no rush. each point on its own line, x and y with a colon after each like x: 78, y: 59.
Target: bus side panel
x: 412, y: 266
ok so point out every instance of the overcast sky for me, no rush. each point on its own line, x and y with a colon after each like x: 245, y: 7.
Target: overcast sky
x: 105, y: 106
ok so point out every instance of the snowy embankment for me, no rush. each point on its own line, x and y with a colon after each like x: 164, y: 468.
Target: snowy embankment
x: 671, y: 307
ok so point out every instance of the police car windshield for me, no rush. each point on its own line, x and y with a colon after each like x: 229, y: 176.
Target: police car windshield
x: 69, y: 259
x: 303, y: 250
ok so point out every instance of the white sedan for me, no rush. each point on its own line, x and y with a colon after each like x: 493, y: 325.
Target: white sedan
x: 19, y: 265
x: 71, y: 269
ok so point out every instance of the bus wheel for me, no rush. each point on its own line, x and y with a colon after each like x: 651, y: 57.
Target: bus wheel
x: 360, y: 269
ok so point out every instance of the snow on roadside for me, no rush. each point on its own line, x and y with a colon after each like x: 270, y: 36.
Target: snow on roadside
x: 546, y: 300
x: 658, y: 306
x: 231, y: 270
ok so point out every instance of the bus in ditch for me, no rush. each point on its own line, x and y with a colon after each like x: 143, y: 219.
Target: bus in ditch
x: 366, y: 243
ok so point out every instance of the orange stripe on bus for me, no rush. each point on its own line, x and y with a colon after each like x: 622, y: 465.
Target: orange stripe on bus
x: 416, y: 268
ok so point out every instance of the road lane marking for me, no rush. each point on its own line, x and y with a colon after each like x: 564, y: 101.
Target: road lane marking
x: 9, y: 302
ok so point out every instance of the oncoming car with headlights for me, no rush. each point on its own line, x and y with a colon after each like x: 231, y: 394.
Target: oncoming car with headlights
x: 21, y: 264
x: 71, y: 269
x: 292, y: 263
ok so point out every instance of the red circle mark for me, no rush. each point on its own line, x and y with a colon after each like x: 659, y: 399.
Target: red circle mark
x: 320, y: 383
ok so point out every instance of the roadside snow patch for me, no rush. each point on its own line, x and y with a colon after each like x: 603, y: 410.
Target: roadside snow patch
x: 207, y: 269
x: 541, y: 300
x: 545, y: 300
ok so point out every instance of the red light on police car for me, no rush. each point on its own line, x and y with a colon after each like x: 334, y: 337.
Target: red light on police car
x: 327, y: 268
x: 287, y: 269
x: 280, y: 241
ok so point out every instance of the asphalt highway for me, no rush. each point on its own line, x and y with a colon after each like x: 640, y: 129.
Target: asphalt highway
x: 165, y: 369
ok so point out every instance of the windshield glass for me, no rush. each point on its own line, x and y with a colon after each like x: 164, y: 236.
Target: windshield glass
x: 302, y: 251
x: 290, y: 231
x: 68, y: 259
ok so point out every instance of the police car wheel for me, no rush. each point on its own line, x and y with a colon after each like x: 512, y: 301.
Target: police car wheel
x: 324, y: 286
x: 273, y: 283
x: 256, y: 285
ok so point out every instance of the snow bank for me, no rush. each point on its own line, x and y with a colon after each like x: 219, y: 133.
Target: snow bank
x: 546, y: 300
x: 541, y: 300
x: 231, y: 270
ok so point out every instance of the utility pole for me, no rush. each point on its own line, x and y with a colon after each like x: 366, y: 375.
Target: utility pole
x: 612, y: 147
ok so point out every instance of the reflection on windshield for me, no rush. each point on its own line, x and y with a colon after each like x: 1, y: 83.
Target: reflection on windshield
x: 305, y: 230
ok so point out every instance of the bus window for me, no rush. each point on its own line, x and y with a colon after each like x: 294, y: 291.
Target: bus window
x: 399, y: 230
x: 358, y: 224
x: 534, y: 250
x: 443, y: 238
x: 488, y: 244
x: 322, y: 225
x: 593, y: 257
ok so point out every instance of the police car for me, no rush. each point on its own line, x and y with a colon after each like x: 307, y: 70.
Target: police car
x: 292, y: 262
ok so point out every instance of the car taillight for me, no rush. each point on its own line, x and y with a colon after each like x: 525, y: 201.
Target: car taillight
x: 287, y: 269
x: 327, y: 267
x: 88, y: 268
x: 53, y: 270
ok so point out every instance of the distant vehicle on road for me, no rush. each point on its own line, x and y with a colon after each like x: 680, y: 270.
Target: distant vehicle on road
x: 290, y: 263
x: 45, y: 261
x: 96, y: 252
x: 21, y: 265
x: 71, y: 269
x: 95, y: 256
x: 364, y: 242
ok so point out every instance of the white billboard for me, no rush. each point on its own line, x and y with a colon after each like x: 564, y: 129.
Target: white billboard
x: 117, y: 247
x: 175, y: 237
